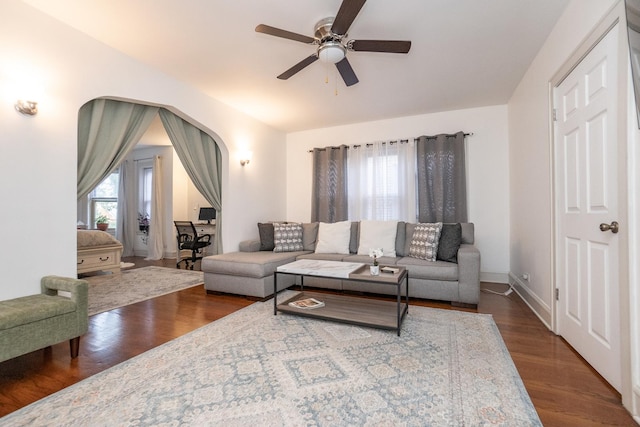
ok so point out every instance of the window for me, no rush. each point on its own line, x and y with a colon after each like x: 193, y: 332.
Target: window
x: 103, y: 200
x: 146, y: 179
x: 382, y: 182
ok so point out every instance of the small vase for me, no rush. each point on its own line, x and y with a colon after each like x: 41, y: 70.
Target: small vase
x: 375, y: 270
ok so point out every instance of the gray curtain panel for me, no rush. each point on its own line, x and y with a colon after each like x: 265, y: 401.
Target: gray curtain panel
x: 329, y: 186
x: 202, y: 159
x: 442, y: 188
x: 107, y: 131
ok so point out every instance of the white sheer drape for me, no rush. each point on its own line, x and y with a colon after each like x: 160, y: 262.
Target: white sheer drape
x: 155, y: 243
x: 127, y: 220
x: 382, y: 181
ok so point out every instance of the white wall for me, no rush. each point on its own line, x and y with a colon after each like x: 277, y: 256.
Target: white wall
x: 38, y: 154
x: 487, y: 170
x: 530, y: 160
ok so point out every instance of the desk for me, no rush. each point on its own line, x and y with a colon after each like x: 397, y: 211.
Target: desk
x: 204, y: 228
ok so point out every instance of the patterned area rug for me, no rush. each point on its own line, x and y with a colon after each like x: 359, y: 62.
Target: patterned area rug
x: 110, y: 291
x: 252, y: 368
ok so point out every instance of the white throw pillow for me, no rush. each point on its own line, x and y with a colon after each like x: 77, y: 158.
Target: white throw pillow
x: 333, y: 238
x: 378, y: 234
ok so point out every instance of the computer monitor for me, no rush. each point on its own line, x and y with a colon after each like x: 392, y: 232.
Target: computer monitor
x: 207, y: 214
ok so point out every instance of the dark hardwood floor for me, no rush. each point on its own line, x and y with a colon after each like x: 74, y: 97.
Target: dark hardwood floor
x: 565, y: 390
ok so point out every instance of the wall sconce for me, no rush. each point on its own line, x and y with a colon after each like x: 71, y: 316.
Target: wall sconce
x: 245, y: 157
x: 27, y: 107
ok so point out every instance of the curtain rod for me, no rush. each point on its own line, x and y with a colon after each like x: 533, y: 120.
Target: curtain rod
x: 401, y: 141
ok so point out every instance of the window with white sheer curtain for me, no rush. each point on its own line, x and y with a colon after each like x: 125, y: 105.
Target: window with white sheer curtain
x: 382, y: 181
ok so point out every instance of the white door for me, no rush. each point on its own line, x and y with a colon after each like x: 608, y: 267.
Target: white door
x: 586, y: 156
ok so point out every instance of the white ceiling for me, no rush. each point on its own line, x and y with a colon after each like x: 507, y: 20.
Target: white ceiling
x: 464, y: 53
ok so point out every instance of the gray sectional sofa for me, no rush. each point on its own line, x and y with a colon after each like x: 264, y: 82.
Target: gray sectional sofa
x: 250, y: 270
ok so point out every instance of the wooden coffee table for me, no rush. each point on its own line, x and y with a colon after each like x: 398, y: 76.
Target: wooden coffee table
x: 347, y: 309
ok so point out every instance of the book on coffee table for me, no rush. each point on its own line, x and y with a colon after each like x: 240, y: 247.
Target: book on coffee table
x: 307, y: 303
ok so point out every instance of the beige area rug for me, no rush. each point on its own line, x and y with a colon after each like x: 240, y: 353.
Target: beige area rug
x: 252, y: 368
x: 110, y: 291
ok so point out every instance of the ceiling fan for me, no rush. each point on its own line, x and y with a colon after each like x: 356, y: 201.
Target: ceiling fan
x: 332, y: 46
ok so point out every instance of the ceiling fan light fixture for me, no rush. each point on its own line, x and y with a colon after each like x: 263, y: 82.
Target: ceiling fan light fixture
x: 331, y: 52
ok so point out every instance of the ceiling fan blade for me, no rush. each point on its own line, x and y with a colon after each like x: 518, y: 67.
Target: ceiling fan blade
x: 349, y: 9
x: 391, y: 46
x: 273, y: 31
x: 349, y: 77
x: 298, y: 67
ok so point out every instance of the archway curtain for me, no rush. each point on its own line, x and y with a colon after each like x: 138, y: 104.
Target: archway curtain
x: 202, y: 160
x: 442, y: 188
x: 107, y: 131
x: 329, y: 186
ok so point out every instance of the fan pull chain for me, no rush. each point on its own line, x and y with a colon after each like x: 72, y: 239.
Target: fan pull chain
x: 335, y: 75
x: 326, y: 69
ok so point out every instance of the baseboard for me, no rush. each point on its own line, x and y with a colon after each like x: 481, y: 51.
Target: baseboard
x: 635, y: 404
x: 536, y: 305
x: 494, y: 277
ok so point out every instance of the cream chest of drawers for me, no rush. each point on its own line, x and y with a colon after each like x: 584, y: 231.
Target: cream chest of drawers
x: 99, y: 258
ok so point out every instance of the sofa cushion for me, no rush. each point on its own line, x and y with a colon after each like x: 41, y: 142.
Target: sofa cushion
x: 409, y: 228
x: 366, y: 259
x: 287, y: 237
x: 468, y: 232
x: 248, y: 264
x: 378, y: 234
x: 355, y: 237
x: 400, y: 239
x: 309, y: 235
x: 450, y: 240
x: 33, y: 308
x: 333, y: 238
x: 266, y: 236
x: 324, y: 257
x: 249, y: 246
x: 430, y: 270
x: 424, y: 242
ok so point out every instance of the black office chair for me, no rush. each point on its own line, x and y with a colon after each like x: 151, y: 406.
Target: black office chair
x: 188, y: 240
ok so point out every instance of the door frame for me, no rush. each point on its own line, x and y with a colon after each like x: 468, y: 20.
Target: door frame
x: 616, y: 16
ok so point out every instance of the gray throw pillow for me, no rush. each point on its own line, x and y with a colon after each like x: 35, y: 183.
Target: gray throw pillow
x: 450, y: 240
x: 266, y: 236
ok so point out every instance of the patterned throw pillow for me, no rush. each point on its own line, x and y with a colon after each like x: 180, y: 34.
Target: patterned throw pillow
x: 424, y: 243
x: 287, y: 237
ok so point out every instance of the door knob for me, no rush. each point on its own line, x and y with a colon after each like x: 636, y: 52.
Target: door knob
x: 606, y: 227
